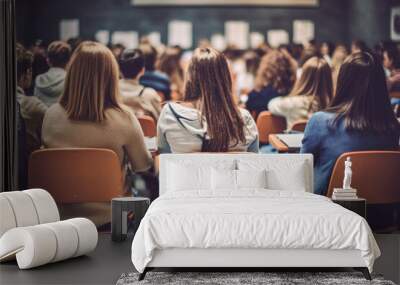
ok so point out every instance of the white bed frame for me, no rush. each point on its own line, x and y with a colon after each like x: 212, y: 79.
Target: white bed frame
x: 251, y: 258
x: 256, y: 258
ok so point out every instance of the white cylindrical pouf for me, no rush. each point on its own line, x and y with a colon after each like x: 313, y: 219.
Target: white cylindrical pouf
x: 87, y: 234
x: 7, y: 218
x: 33, y: 246
x: 45, y: 205
x: 67, y: 240
x: 23, y: 208
x: 37, y: 245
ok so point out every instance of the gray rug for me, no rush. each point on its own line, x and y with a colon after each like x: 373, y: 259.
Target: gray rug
x: 243, y: 278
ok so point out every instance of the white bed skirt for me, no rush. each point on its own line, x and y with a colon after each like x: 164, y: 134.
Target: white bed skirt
x: 191, y: 257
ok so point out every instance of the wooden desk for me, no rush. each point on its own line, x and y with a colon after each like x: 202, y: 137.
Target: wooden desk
x: 277, y: 143
x: 280, y: 146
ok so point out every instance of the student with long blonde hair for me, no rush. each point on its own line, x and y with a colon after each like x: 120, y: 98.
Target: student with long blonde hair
x: 311, y: 93
x: 89, y: 113
x: 208, y: 118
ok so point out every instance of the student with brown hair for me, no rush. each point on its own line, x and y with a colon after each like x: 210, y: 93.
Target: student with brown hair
x: 311, y: 93
x: 142, y: 100
x: 90, y: 114
x: 275, y: 77
x: 50, y: 85
x: 208, y: 119
x: 358, y: 118
x: 339, y: 55
x: 170, y: 64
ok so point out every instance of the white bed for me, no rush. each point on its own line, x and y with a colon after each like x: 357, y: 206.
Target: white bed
x: 201, y: 219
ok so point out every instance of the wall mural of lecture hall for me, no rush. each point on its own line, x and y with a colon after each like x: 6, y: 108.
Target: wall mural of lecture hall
x: 122, y: 16
x: 200, y: 142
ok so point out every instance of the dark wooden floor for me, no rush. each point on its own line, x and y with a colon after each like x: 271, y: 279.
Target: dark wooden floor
x: 106, y: 264
x: 103, y: 266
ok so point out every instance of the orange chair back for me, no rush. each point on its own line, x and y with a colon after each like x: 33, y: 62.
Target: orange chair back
x: 77, y: 175
x: 269, y: 124
x: 376, y: 175
x: 148, y: 125
x: 394, y: 94
x: 299, y: 126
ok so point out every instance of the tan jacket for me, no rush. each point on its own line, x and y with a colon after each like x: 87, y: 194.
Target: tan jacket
x: 120, y: 132
x: 142, y: 100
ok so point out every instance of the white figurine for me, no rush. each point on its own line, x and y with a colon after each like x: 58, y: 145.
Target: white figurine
x: 347, y: 174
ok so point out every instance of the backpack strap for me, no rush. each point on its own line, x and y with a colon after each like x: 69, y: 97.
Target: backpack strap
x: 141, y: 91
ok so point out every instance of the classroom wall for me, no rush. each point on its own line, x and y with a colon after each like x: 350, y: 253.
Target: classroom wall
x: 40, y: 19
x: 369, y: 20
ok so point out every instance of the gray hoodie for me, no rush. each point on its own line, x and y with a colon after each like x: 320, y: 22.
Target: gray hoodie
x: 50, y: 85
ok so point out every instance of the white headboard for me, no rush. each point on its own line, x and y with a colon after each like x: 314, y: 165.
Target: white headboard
x: 270, y: 161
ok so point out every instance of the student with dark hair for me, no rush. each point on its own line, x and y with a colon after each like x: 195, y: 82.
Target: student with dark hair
x: 50, y: 85
x: 359, y: 118
x: 74, y: 43
x: 32, y: 110
x: 153, y: 78
x: 326, y: 50
x: 359, y: 46
x: 391, y: 63
x: 40, y: 64
x: 208, y: 119
x: 142, y: 100
x: 117, y: 50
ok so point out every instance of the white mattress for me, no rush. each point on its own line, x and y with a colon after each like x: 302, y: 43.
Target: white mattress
x: 252, y: 219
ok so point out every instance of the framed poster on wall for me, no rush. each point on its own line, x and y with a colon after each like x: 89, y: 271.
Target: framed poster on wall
x: 395, y: 24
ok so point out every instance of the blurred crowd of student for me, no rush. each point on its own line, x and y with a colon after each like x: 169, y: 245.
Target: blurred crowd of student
x: 84, y: 94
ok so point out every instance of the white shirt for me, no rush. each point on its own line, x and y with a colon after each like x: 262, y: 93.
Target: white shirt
x: 186, y: 136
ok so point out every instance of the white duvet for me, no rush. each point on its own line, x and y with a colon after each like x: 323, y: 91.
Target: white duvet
x: 250, y: 219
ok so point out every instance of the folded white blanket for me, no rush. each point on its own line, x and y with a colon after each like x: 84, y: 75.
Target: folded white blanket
x: 250, y: 219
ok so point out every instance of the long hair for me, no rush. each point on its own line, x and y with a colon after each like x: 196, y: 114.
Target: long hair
x: 362, y: 98
x: 316, y: 82
x: 276, y: 70
x: 209, y: 81
x: 91, y: 83
x: 169, y: 63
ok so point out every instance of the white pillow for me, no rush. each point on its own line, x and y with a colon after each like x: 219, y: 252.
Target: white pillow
x: 251, y: 178
x: 183, y: 177
x: 281, y: 174
x: 292, y: 179
x: 187, y: 175
x: 223, y: 179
